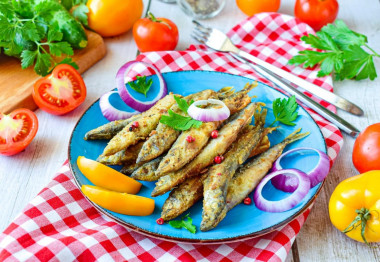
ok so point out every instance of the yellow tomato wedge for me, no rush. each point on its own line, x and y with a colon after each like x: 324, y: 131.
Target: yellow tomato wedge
x: 106, y: 177
x: 122, y: 203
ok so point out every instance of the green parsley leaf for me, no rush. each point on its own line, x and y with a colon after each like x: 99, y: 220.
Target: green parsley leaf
x: 141, y: 85
x: 179, y: 122
x: 187, y: 224
x: 342, y: 53
x: 28, y: 58
x: 182, y: 104
x: 343, y: 36
x: 285, y: 110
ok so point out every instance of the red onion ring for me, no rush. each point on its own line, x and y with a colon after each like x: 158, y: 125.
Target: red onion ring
x: 316, y: 175
x: 122, y: 78
x: 286, y: 203
x: 110, y: 112
x: 208, y: 114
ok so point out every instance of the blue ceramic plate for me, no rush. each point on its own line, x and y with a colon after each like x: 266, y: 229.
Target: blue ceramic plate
x: 244, y: 221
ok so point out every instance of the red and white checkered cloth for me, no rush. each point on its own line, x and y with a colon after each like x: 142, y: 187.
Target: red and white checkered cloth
x: 61, y: 225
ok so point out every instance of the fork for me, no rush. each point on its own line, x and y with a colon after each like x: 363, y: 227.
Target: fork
x: 329, y: 115
x: 219, y: 41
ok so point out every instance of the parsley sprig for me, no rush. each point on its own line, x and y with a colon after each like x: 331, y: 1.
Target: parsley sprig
x: 141, y: 85
x: 187, y: 224
x: 343, y: 53
x: 180, y: 122
x: 26, y: 34
x: 285, y: 110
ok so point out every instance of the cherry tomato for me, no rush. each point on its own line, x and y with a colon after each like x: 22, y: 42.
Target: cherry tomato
x: 60, y: 92
x: 113, y: 17
x: 155, y: 34
x: 17, y: 130
x: 251, y: 7
x: 316, y: 13
x: 366, y: 152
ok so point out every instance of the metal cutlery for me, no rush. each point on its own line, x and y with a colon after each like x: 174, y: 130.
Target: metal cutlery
x: 219, y: 41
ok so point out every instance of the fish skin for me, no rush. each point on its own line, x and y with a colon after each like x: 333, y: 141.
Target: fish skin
x: 183, y: 152
x: 126, y: 155
x: 182, y: 198
x: 218, y: 146
x: 218, y: 177
x: 146, y: 171
x: 130, y: 167
x: 165, y: 136
x: 109, y: 130
x: 147, y: 123
x: 248, y: 176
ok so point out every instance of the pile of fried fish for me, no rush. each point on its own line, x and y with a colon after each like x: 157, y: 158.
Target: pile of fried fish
x: 156, y: 152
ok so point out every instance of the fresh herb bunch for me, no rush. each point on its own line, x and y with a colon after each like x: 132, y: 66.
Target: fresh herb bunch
x: 177, y: 121
x: 343, y: 53
x: 141, y: 85
x: 38, y: 32
x: 285, y: 110
x: 187, y: 224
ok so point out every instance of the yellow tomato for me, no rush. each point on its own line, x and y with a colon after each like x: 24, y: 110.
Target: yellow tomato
x: 354, y: 204
x: 113, y: 17
x: 251, y: 7
x: 122, y: 203
x: 106, y: 177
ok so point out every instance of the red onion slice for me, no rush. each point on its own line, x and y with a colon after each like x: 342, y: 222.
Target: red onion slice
x: 208, y: 114
x: 316, y: 175
x: 112, y: 113
x: 286, y: 203
x: 122, y: 78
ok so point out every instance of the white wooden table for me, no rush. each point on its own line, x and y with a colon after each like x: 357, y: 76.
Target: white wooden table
x: 24, y: 175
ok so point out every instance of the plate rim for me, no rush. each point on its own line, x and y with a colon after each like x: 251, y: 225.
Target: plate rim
x: 189, y: 240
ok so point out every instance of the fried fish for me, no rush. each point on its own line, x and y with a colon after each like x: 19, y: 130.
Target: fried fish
x: 218, y: 146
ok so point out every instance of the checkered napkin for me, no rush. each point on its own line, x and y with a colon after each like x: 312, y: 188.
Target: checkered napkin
x: 61, y: 225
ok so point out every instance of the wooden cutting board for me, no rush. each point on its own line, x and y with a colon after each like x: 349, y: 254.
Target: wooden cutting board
x: 16, y: 84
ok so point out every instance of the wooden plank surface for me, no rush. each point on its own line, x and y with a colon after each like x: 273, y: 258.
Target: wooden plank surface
x: 24, y: 175
x: 16, y: 83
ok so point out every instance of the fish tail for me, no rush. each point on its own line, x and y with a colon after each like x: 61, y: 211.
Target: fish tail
x: 226, y: 91
x: 295, y: 136
x: 260, y: 116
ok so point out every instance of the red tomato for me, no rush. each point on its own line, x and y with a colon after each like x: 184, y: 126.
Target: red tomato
x: 60, y: 92
x: 17, y: 130
x: 316, y: 13
x: 366, y: 153
x: 155, y: 34
x: 251, y: 7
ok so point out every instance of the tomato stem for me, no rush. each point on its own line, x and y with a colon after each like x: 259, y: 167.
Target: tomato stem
x: 364, y: 214
x: 154, y: 19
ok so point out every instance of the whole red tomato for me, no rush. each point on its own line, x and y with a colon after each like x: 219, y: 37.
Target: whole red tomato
x: 366, y: 153
x: 316, y: 13
x: 155, y: 34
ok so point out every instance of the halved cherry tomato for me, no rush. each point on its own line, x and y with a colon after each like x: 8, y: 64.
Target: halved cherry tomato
x: 155, y: 34
x: 316, y: 13
x: 60, y: 92
x: 122, y: 203
x: 17, y: 130
x: 251, y: 7
x: 104, y: 176
x: 366, y: 152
